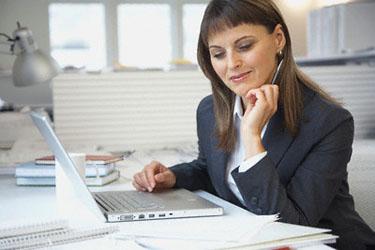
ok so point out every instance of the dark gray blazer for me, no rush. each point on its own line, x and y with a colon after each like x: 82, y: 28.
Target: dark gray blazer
x: 304, y: 178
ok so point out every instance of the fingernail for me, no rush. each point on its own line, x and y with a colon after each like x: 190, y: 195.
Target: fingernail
x: 149, y: 189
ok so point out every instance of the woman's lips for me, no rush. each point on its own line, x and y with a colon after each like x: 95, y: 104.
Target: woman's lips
x: 240, y: 77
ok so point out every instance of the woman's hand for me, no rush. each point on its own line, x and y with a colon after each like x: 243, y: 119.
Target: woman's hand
x: 154, y: 176
x: 261, y: 105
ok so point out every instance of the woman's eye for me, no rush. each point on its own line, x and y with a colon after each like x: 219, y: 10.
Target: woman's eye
x: 245, y: 47
x: 218, y: 55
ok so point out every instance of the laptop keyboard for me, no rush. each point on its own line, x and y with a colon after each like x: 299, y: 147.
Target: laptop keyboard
x: 126, y: 201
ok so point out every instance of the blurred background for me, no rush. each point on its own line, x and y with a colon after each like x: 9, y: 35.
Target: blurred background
x: 129, y: 79
x: 93, y: 35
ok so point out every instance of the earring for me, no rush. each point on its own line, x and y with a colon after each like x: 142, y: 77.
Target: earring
x: 281, y: 53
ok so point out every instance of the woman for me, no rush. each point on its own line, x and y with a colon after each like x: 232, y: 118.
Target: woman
x: 270, y: 148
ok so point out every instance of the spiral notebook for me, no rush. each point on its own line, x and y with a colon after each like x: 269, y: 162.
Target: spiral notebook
x: 47, y: 234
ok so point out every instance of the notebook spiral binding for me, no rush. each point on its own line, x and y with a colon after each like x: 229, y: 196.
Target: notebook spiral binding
x: 48, y: 234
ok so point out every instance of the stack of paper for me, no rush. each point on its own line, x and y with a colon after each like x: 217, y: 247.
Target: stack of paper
x: 205, y: 232
x: 238, y: 228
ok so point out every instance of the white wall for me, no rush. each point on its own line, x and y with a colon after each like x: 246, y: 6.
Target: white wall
x: 296, y: 18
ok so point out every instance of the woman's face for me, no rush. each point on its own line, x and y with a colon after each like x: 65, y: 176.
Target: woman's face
x: 244, y: 57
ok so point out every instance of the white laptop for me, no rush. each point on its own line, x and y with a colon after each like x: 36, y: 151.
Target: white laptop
x: 118, y: 206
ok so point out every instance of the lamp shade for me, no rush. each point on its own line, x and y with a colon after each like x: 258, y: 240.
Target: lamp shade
x: 31, y: 66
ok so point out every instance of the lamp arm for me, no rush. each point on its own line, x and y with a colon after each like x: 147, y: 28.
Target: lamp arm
x: 10, y: 41
x: 8, y: 37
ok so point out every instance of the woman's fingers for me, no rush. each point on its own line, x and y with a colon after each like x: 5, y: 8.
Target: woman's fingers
x: 150, y: 171
x: 271, y: 93
x: 154, y: 176
x: 137, y: 186
x: 258, y: 113
x: 138, y: 182
x: 257, y: 95
x: 268, y: 93
x: 266, y: 96
x: 144, y: 178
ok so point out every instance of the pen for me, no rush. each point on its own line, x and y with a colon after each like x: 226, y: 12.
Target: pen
x: 277, y: 72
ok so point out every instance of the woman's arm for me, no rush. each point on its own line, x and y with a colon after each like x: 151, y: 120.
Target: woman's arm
x: 194, y: 175
x: 316, y: 181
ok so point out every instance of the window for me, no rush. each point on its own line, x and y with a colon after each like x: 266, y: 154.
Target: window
x: 141, y: 33
x: 192, y: 17
x: 144, y: 35
x: 77, y: 35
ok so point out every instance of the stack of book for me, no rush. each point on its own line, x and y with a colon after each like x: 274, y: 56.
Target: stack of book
x: 100, y: 170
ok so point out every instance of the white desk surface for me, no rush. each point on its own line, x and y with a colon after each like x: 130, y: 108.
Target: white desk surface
x: 19, y: 204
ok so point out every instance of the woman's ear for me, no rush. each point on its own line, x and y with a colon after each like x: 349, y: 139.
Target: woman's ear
x: 279, y: 37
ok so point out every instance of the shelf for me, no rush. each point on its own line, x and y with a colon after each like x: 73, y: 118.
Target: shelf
x: 358, y: 58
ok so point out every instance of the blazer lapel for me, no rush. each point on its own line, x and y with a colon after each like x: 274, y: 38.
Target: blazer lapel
x: 276, y: 139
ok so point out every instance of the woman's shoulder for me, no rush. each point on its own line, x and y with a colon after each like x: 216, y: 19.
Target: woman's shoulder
x: 206, y: 104
x: 319, y: 108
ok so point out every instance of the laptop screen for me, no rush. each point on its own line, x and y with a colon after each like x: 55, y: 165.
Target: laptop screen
x: 80, y: 188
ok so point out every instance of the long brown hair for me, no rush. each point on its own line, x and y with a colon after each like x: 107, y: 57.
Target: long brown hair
x: 224, y: 14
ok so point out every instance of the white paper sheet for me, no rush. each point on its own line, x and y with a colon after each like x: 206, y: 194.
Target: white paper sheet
x: 222, y: 228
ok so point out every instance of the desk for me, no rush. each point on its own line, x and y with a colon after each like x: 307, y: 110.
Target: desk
x: 22, y: 203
